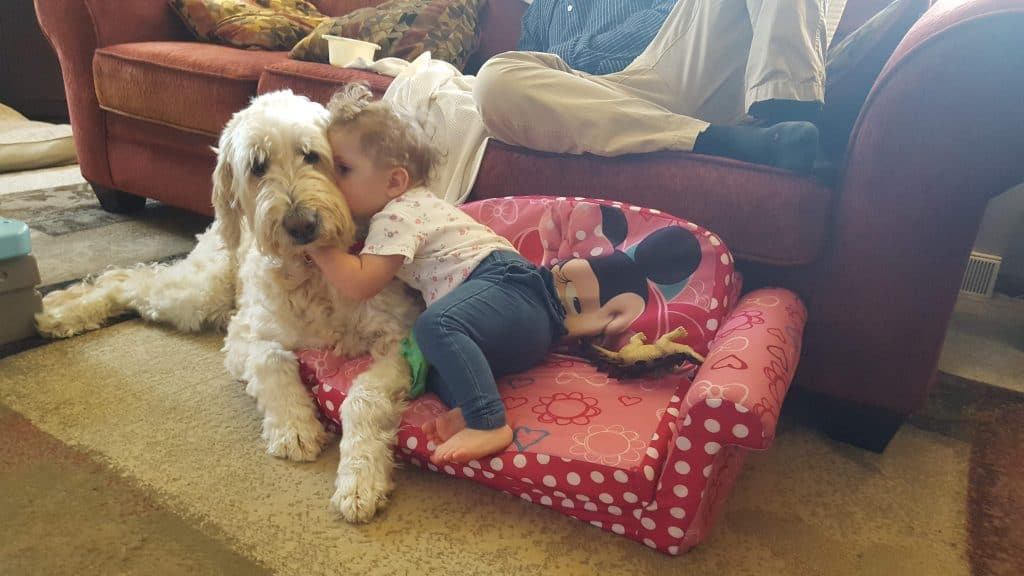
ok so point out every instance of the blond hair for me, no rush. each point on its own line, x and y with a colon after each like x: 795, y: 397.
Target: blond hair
x: 388, y: 138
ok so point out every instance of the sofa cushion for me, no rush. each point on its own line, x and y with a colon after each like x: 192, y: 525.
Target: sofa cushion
x: 186, y: 85
x: 404, y: 29
x: 763, y: 214
x: 853, y: 66
x: 267, y: 24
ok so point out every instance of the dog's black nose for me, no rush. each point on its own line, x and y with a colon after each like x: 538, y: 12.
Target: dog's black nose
x: 302, y: 225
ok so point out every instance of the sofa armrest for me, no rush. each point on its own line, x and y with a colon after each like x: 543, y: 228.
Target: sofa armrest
x: 75, y: 29
x: 104, y: 23
x: 732, y: 407
x: 940, y: 134
x: 748, y: 369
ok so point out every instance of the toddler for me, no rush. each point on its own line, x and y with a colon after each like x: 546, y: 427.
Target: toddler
x: 489, y: 311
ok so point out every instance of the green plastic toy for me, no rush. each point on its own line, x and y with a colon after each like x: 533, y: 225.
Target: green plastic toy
x: 417, y: 364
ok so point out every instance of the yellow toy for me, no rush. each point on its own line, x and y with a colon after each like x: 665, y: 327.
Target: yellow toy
x: 637, y: 358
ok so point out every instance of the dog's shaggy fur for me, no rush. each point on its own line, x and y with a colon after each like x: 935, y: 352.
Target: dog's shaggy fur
x: 274, y: 196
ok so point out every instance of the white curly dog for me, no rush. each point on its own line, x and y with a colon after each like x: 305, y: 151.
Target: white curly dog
x: 274, y: 196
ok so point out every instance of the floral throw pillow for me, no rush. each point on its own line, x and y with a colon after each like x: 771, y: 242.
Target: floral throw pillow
x: 266, y: 24
x: 404, y: 29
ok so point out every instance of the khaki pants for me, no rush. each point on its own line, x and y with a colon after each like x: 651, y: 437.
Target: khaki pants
x: 709, y: 62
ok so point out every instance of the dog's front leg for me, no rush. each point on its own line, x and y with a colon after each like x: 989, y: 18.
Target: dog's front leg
x: 370, y: 415
x: 290, y: 425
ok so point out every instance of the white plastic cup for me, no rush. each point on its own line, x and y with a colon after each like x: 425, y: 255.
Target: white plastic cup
x: 343, y: 51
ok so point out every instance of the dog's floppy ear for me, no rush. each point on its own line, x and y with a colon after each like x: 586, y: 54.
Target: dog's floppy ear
x: 225, y: 201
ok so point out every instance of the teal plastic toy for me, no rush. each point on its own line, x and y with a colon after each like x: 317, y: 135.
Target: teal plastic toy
x: 14, y: 239
x: 19, y: 276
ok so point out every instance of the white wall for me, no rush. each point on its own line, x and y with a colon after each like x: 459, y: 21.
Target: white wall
x: 1002, y: 231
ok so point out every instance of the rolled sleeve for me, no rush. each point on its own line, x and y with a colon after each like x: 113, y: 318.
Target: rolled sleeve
x: 391, y: 233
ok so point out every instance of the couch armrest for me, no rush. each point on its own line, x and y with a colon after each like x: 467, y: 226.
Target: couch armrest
x: 731, y: 408
x: 748, y: 369
x: 941, y: 133
x: 108, y: 22
x: 75, y: 29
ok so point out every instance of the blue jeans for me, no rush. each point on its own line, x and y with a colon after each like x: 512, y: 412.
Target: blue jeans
x: 502, y: 319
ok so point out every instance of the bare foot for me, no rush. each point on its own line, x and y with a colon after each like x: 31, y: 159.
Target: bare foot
x: 469, y: 444
x: 445, y: 426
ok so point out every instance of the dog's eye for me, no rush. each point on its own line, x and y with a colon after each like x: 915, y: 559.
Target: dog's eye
x: 312, y: 158
x: 259, y: 168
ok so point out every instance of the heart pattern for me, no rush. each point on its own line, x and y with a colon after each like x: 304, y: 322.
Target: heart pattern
x: 731, y: 361
x: 524, y: 437
x: 630, y: 400
x: 513, y: 402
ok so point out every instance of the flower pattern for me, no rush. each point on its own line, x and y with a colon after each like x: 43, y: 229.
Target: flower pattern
x: 609, y: 445
x: 564, y: 409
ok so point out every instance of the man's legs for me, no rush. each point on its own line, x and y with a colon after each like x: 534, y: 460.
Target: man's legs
x: 535, y: 100
x: 785, y: 72
x: 714, y: 59
x: 696, y: 67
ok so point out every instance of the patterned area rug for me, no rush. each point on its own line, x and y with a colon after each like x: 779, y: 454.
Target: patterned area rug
x: 992, y: 420
x: 129, y: 450
x: 60, y: 210
x: 72, y: 236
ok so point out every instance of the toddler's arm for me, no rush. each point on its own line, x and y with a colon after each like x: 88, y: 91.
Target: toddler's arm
x: 359, y: 277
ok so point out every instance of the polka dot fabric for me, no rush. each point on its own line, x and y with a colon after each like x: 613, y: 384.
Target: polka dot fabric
x: 649, y: 459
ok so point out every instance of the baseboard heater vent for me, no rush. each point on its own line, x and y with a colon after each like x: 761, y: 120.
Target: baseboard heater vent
x: 980, y: 277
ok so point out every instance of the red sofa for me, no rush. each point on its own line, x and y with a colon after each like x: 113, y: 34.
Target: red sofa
x: 877, y: 257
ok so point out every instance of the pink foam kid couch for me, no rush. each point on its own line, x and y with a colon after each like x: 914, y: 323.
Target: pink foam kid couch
x: 652, y: 458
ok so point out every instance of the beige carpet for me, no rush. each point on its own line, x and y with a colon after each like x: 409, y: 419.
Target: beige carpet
x: 157, y: 412
x: 129, y: 451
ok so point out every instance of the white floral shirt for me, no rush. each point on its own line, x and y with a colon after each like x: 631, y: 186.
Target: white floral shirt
x: 442, y: 245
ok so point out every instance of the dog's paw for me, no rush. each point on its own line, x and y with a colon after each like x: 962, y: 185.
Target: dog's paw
x: 357, y: 499
x: 298, y: 441
x: 53, y: 323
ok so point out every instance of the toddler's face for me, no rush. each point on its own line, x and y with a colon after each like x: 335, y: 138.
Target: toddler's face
x: 364, y: 185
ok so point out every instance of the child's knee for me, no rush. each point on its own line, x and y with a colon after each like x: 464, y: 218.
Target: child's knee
x: 428, y: 329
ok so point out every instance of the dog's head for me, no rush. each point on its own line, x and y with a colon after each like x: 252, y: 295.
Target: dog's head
x: 274, y: 178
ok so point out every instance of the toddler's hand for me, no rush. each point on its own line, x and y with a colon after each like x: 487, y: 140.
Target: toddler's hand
x: 322, y: 256
x: 314, y: 257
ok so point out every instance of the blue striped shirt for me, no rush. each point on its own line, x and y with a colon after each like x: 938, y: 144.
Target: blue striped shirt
x: 595, y: 36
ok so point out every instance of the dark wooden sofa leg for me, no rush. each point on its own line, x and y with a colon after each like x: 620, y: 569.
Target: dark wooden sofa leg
x: 116, y: 201
x: 866, y: 427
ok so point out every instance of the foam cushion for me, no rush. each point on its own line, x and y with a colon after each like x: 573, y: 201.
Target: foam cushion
x: 266, y: 24
x: 404, y: 29
x: 653, y: 458
x: 604, y: 450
